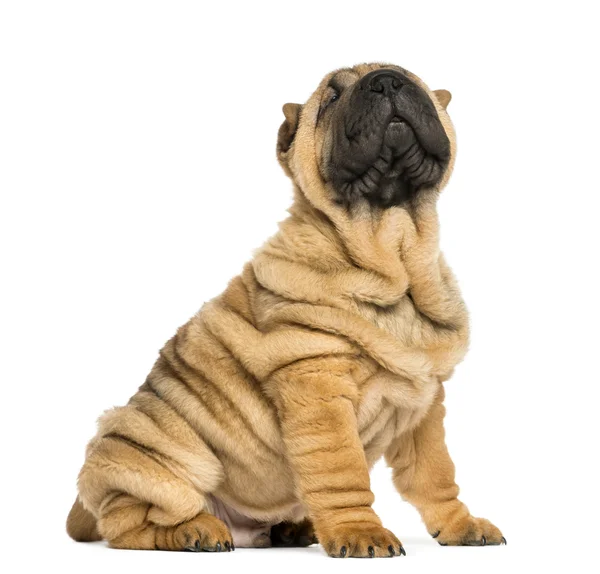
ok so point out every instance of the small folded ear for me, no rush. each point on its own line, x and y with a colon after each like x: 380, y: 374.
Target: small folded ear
x: 443, y: 96
x: 287, y: 130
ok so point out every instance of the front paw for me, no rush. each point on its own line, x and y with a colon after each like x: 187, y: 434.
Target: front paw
x: 360, y: 540
x: 469, y: 531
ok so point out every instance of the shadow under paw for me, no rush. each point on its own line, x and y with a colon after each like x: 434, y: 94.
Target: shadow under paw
x: 293, y: 534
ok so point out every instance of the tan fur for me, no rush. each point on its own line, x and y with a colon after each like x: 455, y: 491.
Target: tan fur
x: 325, y: 354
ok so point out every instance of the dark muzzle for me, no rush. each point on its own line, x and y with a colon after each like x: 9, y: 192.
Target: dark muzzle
x: 388, y: 141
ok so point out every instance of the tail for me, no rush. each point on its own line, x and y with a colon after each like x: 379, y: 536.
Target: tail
x: 81, y: 524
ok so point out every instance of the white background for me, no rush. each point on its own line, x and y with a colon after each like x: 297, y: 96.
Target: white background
x: 138, y: 173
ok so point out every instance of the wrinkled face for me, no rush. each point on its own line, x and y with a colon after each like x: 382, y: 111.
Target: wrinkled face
x: 377, y: 135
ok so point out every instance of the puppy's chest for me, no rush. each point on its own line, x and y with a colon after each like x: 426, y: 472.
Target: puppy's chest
x: 402, y: 321
x: 391, y: 405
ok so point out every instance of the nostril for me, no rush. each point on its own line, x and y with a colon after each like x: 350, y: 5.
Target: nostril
x: 377, y: 86
x: 385, y: 82
x: 382, y: 81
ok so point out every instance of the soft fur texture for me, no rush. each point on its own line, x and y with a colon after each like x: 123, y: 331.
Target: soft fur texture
x: 272, y: 403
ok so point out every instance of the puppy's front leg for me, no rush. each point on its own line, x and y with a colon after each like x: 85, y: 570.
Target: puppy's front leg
x: 424, y: 476
x: 316, y: 404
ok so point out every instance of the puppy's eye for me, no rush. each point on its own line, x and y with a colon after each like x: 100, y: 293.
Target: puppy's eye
x: 326, y: 103
x: 335, y: 96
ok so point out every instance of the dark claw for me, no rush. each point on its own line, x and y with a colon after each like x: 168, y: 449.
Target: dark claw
x: 218, y: 547
x: 197, y: 545
x: 371, y: 551
x: 232, y: 546
x: 435, y: 534
x: 402, y: 551
x: 443, y: 543
x: 343, y: 552
x: 503, y: 540
x: 483, y: 541
x: 227, y: 546
x: 391, y: 550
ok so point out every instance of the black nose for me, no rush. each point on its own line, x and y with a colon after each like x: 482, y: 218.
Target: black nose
x: 384, y: 81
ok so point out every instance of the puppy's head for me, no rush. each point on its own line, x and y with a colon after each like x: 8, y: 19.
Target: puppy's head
x: 370, y: 135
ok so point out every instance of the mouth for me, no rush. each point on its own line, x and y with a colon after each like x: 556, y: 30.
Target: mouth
x: 400, y: 169
x: 398, y: 135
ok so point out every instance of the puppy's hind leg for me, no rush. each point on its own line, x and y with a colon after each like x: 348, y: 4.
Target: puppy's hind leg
x: 148, y: 491
x: 126, y: 524
x: 144, y: 506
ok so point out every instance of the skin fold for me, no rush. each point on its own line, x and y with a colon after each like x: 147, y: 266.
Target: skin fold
x: 263, y: 415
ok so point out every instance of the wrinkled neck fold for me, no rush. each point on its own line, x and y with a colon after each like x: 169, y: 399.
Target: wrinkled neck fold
x: 376, y: 240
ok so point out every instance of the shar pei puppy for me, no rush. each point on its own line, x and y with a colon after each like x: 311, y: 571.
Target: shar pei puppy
x: 260, y: 420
